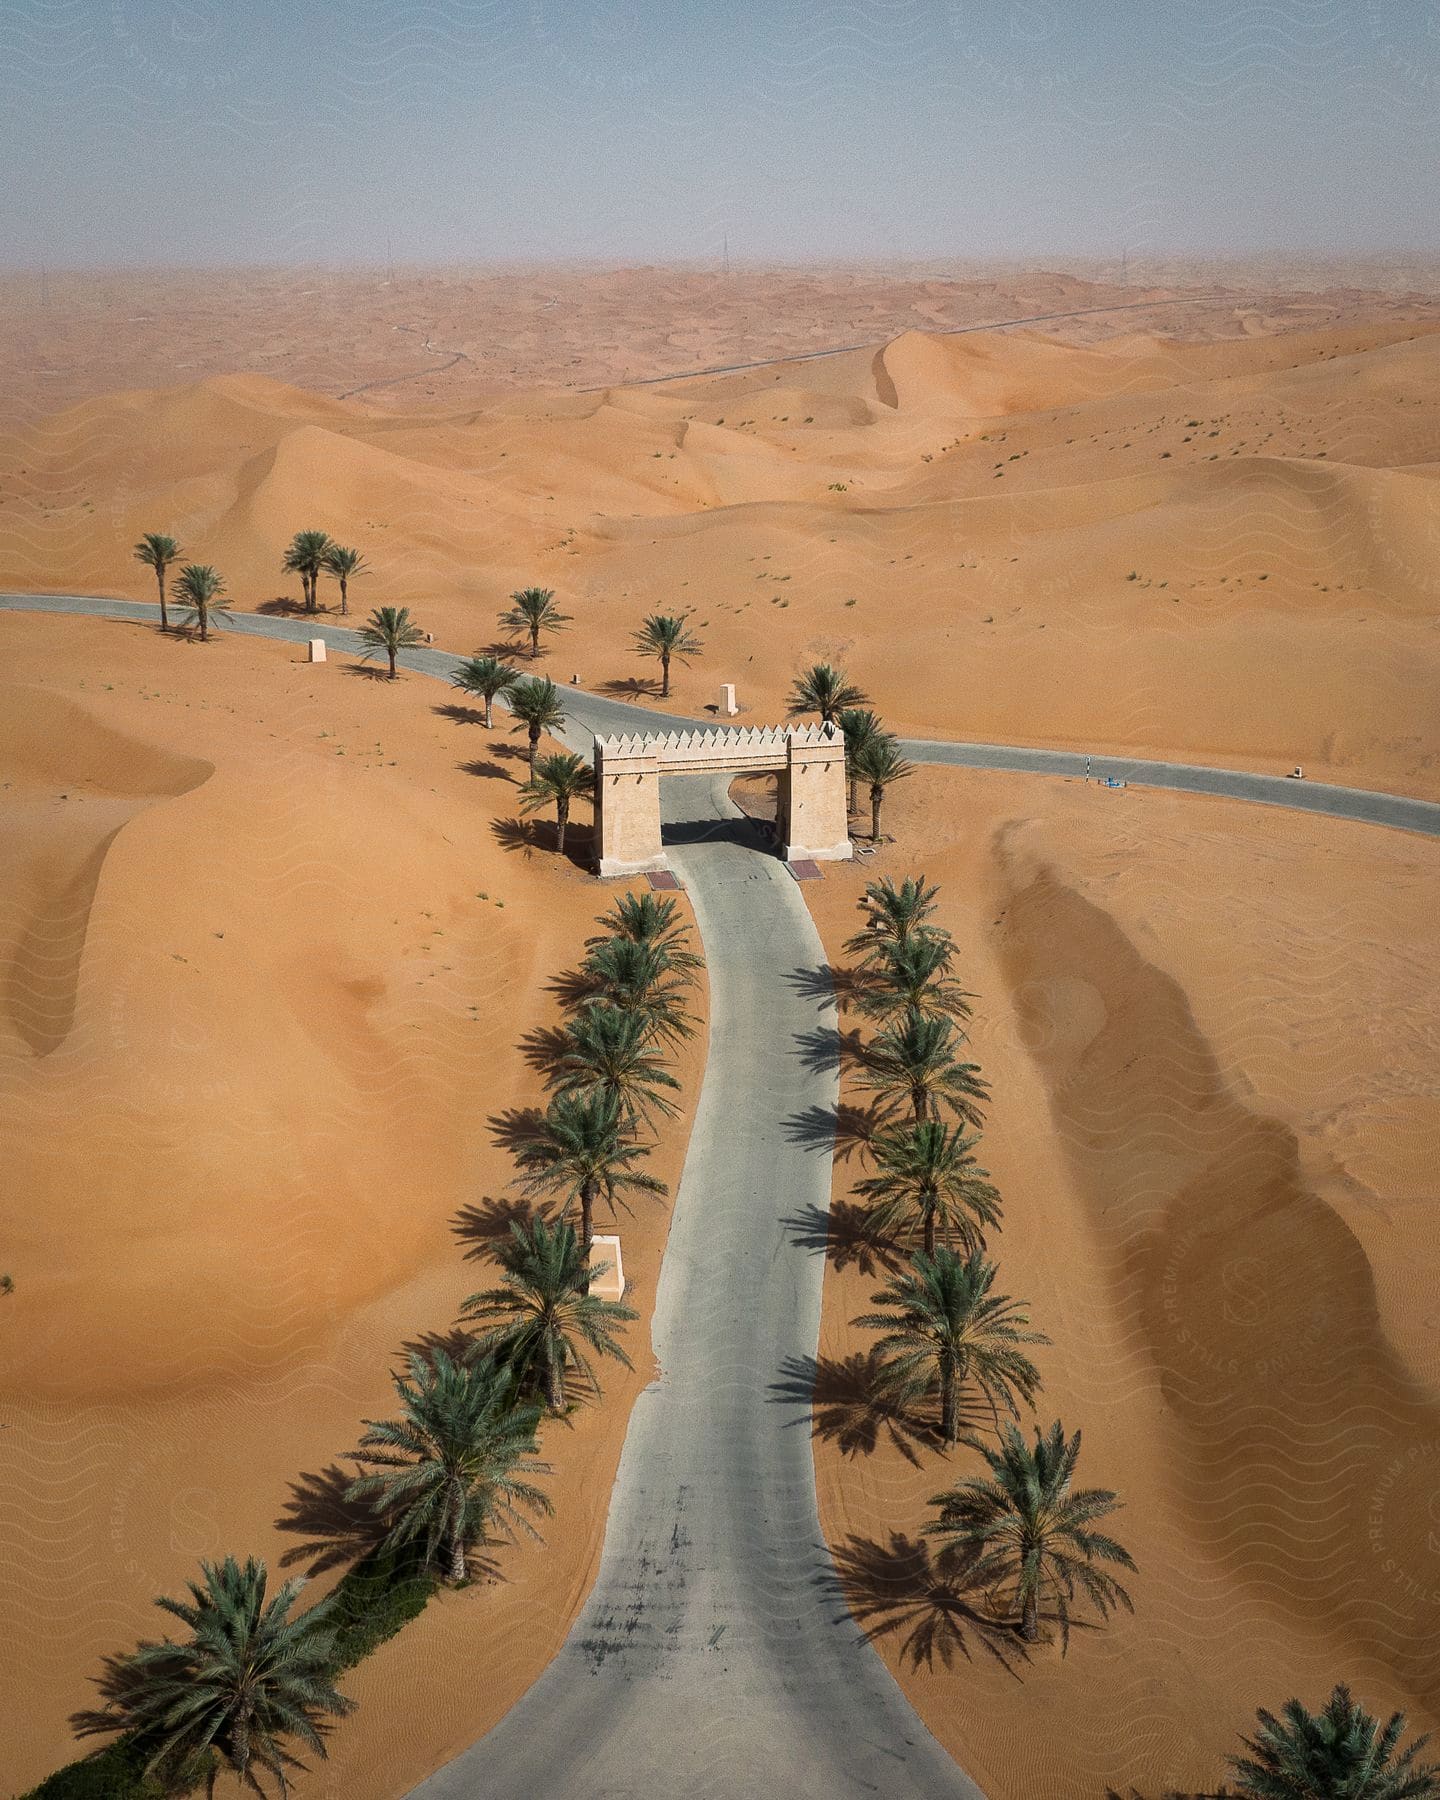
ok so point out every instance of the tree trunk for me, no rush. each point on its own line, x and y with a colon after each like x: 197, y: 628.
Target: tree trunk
x: 920, y: 1102
x: 344, y: 596
x: 534, y: 746
x: 392, y: 665
x: 562, y: 819
x: 587, y: 1231
x: 489, y: 716
x: 877, y: 794
x: 534, y: 642
x: 854, y: 801
x: 456, y: 1572
x: 554, y: 1381
x: 1030, y: 1618
x: 930, y: 1231
x: 204, y: 625
x: 164, y: 615
x: 665, y: 677
x: 309, y: 585
x: 948, y: 1422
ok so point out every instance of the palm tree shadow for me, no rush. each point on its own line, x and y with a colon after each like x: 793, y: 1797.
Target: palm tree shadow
x: 282, y: 606
x: 929, y: 1600
x: 847, y: 1235
x: 819, y: 1050
x: 368, y: 671
x: 516, y: 834
x: 458, y: 1345
x: 825, y: 984
x: 631, y: 687
x: 844, y: 1128
x: 337, y: 1531
x: 517, y: 1127
x: 849, y: 1405
x: 462, y: 715
x: 478, y: 765
x: 573, y: 987
x: 483, y: 1227
x: 544, y: 1050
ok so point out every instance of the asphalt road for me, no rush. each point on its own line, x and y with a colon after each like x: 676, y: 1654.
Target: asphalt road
x: 715, y: 1655
x: 595, y: 714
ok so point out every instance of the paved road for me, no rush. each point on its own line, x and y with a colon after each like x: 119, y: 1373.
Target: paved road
x: 594, y: 714
x: 715, y: 1656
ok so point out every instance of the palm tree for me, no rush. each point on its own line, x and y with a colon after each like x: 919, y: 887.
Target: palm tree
x: 199, y: 588
x: 344, y: 565
x: 825, y: 690
x: 584, y: 1153
x: 389, y: 629
x: 607, y: 1051
x: 1339, y: 1754
x: 558, y: 778
x: 916, y: 1056
x: 534, y: 702
x: 645, y: 919
x: 944, y: 1327
x: 488, y: 677
x: 456, y: 1464
x: 1025, y: 1524
x: 543, y: 1315
x: 157, y: 552
x: 643, y: 979
x: 914, y: 977
x: 878, y: 761
x: 666, y: 635
x: 926, y: 1176
x: 896, y: 914
x: 249, y: 1677
x: 859, y: 726
x: 306, y: 558
x: 534, y: 611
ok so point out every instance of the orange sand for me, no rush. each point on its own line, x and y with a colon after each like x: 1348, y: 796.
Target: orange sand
x: 1202, y: 550
x: 267, y: 969
x: 1209, y: 1029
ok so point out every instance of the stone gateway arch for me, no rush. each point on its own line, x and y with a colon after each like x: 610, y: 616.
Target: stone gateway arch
x: 811, y: 821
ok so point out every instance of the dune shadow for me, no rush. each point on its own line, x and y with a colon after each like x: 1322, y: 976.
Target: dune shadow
x: 337, y: 1531
x: 481, y: 1228
x: 848, y: 1237
x: 849, y: 1403
x: 926, y: 1599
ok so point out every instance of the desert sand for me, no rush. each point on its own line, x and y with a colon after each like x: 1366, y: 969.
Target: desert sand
x: 1209, y: 1029
x: 267, y: 971
x: 263, y: 998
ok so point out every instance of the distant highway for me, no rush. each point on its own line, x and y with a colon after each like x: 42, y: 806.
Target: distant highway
x: 597, y: 715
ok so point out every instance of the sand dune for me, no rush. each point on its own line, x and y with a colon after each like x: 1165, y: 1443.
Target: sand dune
x: 1216, y: 1178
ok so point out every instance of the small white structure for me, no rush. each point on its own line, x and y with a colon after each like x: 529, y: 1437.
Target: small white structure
x: 317, y: 649
x: 610, y: 1285
x: 727, y: 708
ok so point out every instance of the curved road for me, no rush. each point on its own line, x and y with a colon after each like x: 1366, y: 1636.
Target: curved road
x: 597, y: 715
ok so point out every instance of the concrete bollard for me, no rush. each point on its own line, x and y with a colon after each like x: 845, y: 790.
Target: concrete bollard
x: 611, y: 1285
x: 727, y: 708
x: 317, y: 649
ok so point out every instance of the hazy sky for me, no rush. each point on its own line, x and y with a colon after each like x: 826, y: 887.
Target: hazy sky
x: 255, y: 131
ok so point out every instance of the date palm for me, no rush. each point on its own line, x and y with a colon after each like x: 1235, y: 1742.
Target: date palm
x: 1341, y: 1753
x: 457, y: 1464
x: 859, y: 726
x: 306, y: 558
x: 646, y: 918
x: 199, y: 589
x: 666, y: 635
x: 607, y: 1051
x: 944, y: 1328
x: 824, y: 689
x: 486, y: 677
x: 535, y: 703
x: 643, y: 979
x: 157, y: 552
x: 926, y: 1178
x: 344, y: 564
x: 879, y: 764
x: 387, y: 632
x: 914, y: 977
x: 917, y: 1058
x: 584, y: 1152
x: 533, y: 611
x: 556, y: 781
x: 1027, y: 1528
x: 896, y: 915
x: 543, y: 1317
x: 251, y: 1678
